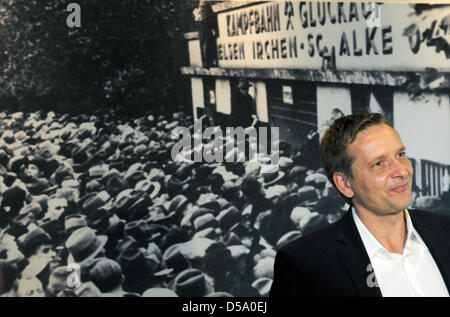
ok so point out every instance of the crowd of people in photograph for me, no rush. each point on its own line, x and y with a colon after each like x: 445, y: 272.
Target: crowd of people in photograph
x: 104, y: 192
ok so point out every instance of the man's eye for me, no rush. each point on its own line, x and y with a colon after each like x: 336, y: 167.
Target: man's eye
x: 377, y: 164
x: 402, y: 154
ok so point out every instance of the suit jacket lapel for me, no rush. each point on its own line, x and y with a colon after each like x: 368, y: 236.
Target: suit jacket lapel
x: 353, y: 255
x: 437, y: 243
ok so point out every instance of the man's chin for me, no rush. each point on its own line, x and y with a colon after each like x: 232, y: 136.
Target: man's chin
x: 399, y: 206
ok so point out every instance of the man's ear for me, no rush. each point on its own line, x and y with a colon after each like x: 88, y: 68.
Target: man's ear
x: 342, y: 183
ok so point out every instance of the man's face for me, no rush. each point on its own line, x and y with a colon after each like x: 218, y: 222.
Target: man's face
x: 33, y: 171
x: 46, y: 251
x: 56, y: 207
x: 382, y: 174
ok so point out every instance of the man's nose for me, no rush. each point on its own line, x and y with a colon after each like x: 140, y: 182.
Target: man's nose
x: 400, y: 168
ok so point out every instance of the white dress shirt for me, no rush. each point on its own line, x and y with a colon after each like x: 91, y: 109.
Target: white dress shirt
x: 412, y: 273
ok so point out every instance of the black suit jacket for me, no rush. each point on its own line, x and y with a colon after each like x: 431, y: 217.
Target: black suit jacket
x: 333, y: 261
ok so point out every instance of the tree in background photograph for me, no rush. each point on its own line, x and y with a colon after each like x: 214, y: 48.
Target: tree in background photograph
x: 125, y: 54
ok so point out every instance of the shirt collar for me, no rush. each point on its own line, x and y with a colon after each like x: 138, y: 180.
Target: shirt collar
x: 412, y: 234
x: 373, y: 247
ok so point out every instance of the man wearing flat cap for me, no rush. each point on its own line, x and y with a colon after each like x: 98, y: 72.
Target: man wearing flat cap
x: 379, y: 247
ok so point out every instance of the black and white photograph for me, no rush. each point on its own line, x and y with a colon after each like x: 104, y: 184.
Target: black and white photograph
x: 172, y: 148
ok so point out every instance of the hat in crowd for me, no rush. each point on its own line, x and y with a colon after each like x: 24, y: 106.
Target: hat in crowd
x: 288, y: 237
x: 228, y: 217
x: 40, y: 186
x: 291, y: 201
x: 250, y: 185
x: 134, y: 262
x: 263, y: 285
x: 210, y: 201
x: 21, y: 222
x: 126, y: 243
x: 230, y: 191
x: 93, y: 202
x: 267, y: 252
x: 285, y: 163
x: 159, y: 215
x: 238, y: 251
x: 133, y: 176
x: 194, y: 250
x: 175, y: 186
x: 31, y: 240
x: 17, y: 163
x: 52, y: 226
x: 203, y: 171
x: 74, y: 222
x: 273, y: 224
x: 298, y: 174
x: 317, y: 180
x: 312, y: 222
x: 174, y: 235
x: 93, y: 186
x: 33, y: 208
x: 13, y: 197
x: 264, y: 268
x: 205, y: 221
x: 178, y: 203
x: 308, y: 196
x: 116, y: 184
x: 152, y: 188
x: 142, y: 231
x: 99, y: 219
x: 298, y: 213
x: 210, y: 233
x: 192, y: 283
x: 218, y: 260
x: 83, y: 244
x: 275, y: 192
x: 174, y: 259
x: 159, y: 292
x: 232, y: 238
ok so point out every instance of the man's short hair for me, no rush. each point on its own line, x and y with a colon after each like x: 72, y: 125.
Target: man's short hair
x: 106, y: 275
x: 341, y: 133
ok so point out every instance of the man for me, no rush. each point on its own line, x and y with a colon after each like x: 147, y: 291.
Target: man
x: 242, y: 111
x: 207, y: 25
x: 107, y: 275
x: 379, y: 248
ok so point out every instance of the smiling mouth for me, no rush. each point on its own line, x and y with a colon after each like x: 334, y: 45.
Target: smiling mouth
x: 401, y: 188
